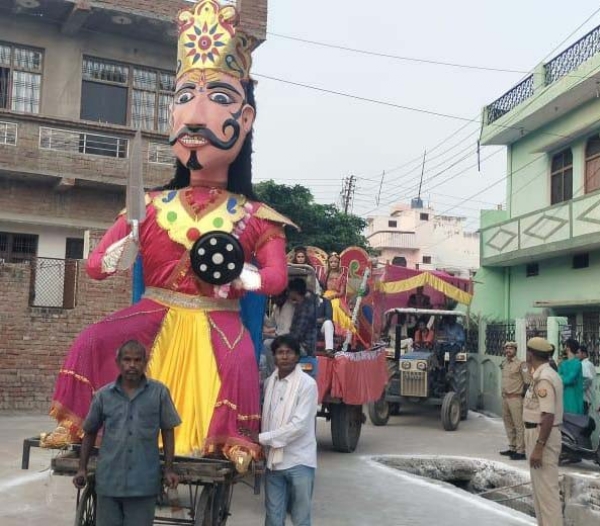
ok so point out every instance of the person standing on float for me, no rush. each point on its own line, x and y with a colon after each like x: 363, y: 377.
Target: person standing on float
x: 198, y: 345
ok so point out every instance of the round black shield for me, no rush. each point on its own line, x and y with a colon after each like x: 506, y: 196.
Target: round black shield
x: 217, y: 258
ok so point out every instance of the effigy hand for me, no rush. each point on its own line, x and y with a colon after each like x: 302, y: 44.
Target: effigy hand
x: 249, y: 278
x: 121, y: 255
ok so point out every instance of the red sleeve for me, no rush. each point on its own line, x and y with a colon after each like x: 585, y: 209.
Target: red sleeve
x: 115, y: 233
x: 271, y: 260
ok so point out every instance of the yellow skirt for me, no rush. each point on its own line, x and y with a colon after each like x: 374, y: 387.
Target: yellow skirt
x: 183, y: 359
x: 341, y: 319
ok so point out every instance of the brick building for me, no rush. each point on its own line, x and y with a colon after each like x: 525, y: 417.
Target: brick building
x: 77, y: 78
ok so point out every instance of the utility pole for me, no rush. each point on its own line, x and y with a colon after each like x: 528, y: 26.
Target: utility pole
x: 347, y: 195
x: 380, y: 187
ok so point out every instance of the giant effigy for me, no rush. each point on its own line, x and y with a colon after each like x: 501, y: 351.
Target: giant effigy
x: 199, y: 237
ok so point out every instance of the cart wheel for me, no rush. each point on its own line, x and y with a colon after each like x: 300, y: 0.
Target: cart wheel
x: 346, y: 423
x: 379, y: 411
x: 86, y: 509
x: 450, y: 411
x: 212, y: 508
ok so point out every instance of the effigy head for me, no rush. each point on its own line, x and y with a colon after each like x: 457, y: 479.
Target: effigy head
x: 213, y: 110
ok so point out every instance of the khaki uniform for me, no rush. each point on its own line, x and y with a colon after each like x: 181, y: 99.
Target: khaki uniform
x: 545, y: 395
x: 515, y: 376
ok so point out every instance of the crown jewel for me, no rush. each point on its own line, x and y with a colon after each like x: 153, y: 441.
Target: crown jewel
x: 209, y: 40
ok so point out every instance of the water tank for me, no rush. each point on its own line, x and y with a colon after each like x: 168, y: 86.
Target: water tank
x: 416, y: 202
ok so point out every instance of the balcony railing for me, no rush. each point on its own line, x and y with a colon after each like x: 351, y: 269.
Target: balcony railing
x: 572, y: 57
x: 8, y: 133
x: 83, y: 142
x: 405, y: 240
x: 520, y: 93
x: 95, y: 152
x: 572, y: 225
x: 560, y: 66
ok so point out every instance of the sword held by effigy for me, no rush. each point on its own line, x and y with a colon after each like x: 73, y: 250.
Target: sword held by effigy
x: 135, y: 198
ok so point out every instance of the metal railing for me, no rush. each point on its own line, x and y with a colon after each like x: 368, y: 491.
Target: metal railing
x: 496, y: 335
x: 572, y: 57
x: 560, y: 66
x: 160, y: 153
x: 83, y: 142
x: 520, y: 93
x: 8, y: 133
x: 585, y: 335
x: 53, y: 283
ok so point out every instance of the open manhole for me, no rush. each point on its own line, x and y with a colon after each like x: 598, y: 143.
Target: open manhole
x: 487, y: 479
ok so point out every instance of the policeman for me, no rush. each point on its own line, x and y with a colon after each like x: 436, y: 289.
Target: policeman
x: 542, y: 416
x: 515, y: 380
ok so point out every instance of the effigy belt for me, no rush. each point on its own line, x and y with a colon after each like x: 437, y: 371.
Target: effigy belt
x: 170, y: 298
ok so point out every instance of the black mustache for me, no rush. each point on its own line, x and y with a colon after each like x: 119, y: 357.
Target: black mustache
x: 204, y: 132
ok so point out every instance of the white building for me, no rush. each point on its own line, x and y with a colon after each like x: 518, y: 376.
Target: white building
x: 416, y: 237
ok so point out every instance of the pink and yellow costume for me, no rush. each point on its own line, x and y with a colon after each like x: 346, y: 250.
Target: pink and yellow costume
x: 197, y: 344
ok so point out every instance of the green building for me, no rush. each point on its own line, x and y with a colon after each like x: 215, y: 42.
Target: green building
x: 540, y: 257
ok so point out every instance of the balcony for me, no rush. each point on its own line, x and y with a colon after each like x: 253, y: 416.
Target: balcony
x: 560, y: 229
x: 552, y: 90
x: 90, y: 153
x: 397, y: 240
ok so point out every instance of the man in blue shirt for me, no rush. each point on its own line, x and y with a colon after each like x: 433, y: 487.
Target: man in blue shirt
x: 131, y: 412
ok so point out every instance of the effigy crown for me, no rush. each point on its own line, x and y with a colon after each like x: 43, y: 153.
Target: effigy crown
x: 208, y: 39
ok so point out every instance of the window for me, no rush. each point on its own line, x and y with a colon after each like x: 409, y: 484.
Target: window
x: 160, y: 154
x: 581, y: 261
x: 561, y: 177
x: 427, y: 260
x: 424, y: 217
x: 532, y: 269
x: 17, y: 248
x: 74, y: 248
x: 123, y: 94
x: 399, y: 261
x: 393, y: 224
x: 592, y: 164
x: 8, y: 133
x: 20, y: 78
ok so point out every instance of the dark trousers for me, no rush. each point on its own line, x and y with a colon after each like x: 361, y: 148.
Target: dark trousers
x: 125, y: 511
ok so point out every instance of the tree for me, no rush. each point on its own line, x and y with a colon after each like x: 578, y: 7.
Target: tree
x: 322, y: 226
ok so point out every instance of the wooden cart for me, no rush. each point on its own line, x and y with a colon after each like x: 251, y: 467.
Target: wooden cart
x: 205, y: 501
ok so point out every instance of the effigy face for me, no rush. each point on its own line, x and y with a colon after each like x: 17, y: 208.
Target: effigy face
x: 210, y: 120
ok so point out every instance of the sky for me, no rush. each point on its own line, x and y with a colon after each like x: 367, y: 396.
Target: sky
x: 317, y: 139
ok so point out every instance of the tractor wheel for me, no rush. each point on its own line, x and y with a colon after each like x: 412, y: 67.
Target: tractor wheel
x: 379, y: 411
x: 346, y: 423
x: 450, y: 411
x: 460, y: 385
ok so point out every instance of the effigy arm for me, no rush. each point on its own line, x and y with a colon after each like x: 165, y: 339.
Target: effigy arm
x: 116, y: 251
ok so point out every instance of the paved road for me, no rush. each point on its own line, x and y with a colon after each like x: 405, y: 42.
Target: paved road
x: 351, y: 489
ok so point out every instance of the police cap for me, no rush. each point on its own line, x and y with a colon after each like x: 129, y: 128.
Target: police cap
x: 540, y: 345
x: 510, y: 344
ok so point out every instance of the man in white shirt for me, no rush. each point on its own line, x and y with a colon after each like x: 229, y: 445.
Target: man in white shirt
x: 589, y: 378
x: 288, y: 423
